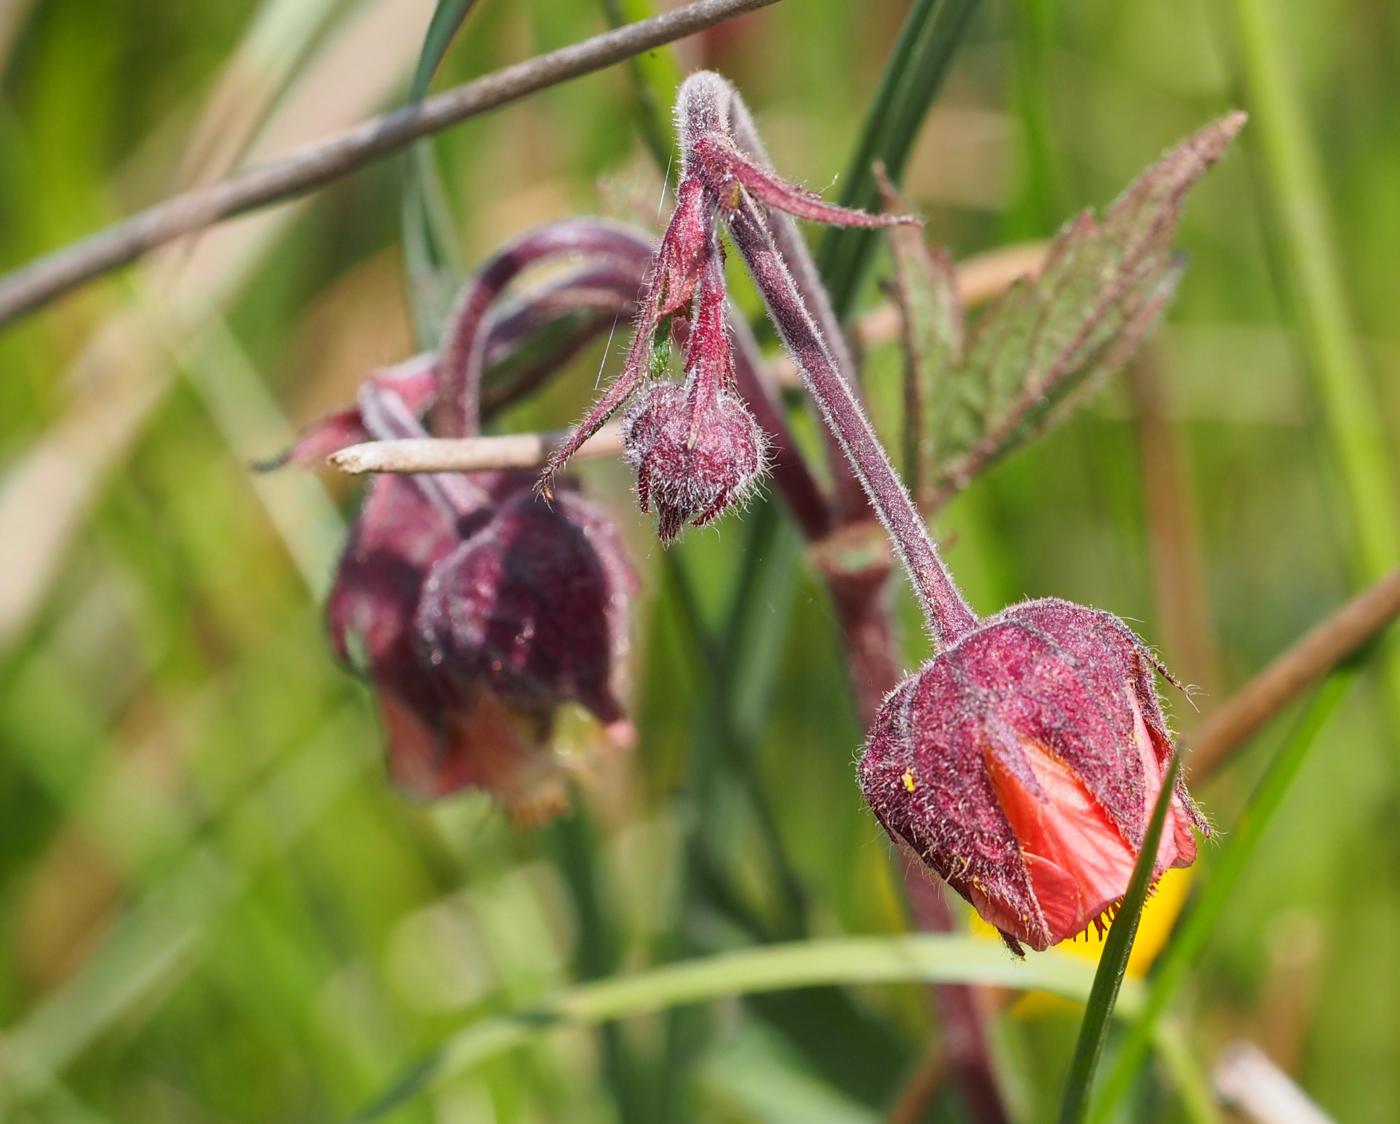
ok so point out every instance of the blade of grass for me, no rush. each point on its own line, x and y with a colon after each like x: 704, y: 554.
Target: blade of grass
x: 1192, y: 1082
x: 781, y: 967
x: 154, y: 938
x: 656, y: 76
x: 917, y: 66
x: 574, y: 847
x: 1108, y: 980
x: 1184, y: 950
x: 431, y: 261
x: 1292, y: 179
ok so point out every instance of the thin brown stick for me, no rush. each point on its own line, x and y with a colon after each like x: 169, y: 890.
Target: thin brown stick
x: 468, y: 454
x: 318, y: 164
x: 1317, y: 653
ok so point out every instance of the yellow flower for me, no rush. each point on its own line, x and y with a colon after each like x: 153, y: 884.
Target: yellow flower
x: 1158, y: 918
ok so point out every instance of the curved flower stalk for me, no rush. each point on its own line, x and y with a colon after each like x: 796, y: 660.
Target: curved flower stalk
x: 717, y: 455
x: 1021, y: 763
x: 462, y: 353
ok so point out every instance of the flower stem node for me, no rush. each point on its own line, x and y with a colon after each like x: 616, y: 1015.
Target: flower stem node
x: 1022, y: 765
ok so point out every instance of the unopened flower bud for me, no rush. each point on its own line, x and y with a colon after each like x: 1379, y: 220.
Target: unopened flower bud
x: 1022, y: 765
x: 696, y: 454
x: 696, y: 448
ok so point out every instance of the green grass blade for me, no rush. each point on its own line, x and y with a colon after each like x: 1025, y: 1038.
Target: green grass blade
x: 1184, y: 950
x: 429, y: 249
x: 770, y: 968
x: 1293, y: 181
x: 1193, y: 1087
x: 915, y: 71
x: 656, y: 76
x: 1108, y: 980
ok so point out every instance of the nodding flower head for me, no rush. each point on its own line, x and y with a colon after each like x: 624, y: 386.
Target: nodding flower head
x: 1022, y: 765
x: 533, y: 606
x: 697, y: 451
x: 476, y: 611
x: 475, y: 625
x: 696, y: 448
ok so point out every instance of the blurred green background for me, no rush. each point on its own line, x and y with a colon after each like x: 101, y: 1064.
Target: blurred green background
x: 213, y: 907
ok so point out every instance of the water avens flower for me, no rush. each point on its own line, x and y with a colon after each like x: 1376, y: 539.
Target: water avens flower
x: 1022, y: 762
x: 475, y: 609
x: 533, y: 605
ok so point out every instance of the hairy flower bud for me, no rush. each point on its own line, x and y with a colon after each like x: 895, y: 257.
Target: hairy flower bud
x: 696, y: 448
x: 696, y: 454
x: 1022, y: 765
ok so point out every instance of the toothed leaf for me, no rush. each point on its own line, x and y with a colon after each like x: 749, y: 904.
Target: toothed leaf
x: 1046, y: 342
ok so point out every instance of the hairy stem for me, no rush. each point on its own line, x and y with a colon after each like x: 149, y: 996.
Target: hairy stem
x: 462, y: 356
x: 803, y: 268
x: 948, y: 615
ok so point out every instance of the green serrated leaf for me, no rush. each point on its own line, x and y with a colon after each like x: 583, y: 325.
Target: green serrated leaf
x: 932, y: 334
x: 1046, y: 343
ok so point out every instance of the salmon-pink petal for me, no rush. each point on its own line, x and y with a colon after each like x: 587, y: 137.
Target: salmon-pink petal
x: 419, y: 761
x: 1078, y: 862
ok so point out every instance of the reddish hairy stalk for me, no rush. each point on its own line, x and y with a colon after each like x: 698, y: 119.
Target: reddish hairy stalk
x: 791, y: 477
x: 668, y: 288
x: 462, y: 356
x: 948, y: 615
x: 706, y: 108
x: 603, y: 287
x: 850, y: 497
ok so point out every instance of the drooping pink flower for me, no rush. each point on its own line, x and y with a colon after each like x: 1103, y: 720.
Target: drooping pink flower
x: 476, y: 610
x: 1022, y: 764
